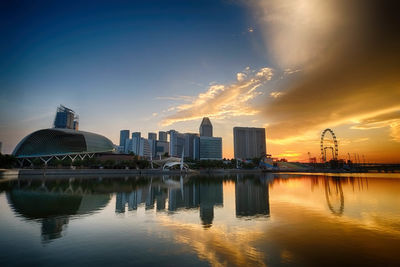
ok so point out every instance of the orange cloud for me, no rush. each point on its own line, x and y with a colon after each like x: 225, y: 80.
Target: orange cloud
x: 223, y: 101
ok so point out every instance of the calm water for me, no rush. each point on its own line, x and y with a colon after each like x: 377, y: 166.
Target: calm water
x: 244, y: 220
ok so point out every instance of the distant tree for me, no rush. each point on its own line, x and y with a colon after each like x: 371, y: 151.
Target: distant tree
x: 7, y: 161
x: 256, y: 161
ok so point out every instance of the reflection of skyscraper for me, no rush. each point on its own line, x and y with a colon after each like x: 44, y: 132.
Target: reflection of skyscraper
x: 122, y: 199
x: 194, y: 195
x: 211, y: 194
x: 151, y: 193
x: 252, y: 198
x: 161, y: 197
x: 120, y: 203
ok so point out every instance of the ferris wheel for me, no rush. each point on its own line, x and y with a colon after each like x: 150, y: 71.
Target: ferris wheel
x: 333, y: 149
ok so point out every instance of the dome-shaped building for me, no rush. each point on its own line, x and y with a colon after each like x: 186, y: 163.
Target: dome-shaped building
x: 59, y: 142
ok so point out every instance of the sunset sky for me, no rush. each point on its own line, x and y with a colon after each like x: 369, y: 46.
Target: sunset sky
x: 294, y: 67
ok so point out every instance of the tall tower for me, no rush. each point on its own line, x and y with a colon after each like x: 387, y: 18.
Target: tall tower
x: 123, y: 136
x: 206, y: 128
x: 249, y: 142
x: 162, y: 136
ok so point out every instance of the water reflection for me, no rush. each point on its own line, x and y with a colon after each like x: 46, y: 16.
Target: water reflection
x: 172, y: 195
x: 53, y: 203
x: 334, y: 196
x: 252, y: 197
x: 270, y: 220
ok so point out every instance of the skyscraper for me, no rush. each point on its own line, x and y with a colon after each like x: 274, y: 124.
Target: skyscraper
x: 162, y: 147
x: 152, y: 136
x: 176, y: 144
x: 66, y: 118
x: 123, y: 135
x: 210, y: 148
x: 249, y: 142
x: 162, y: 136
x: 189, y: 144
x: 136, y: 136
x: 153, y: 143
x: 206, y: 128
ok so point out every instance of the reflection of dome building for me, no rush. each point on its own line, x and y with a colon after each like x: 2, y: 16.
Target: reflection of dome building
x: 57, y: 142
x: 53, y: 209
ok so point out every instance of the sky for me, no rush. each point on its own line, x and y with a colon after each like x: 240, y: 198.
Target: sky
x: 294, y: 67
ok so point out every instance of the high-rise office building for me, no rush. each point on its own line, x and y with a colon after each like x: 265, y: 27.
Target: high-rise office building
x: 152, y: 141
x: 176, y: 143
x: 152, y: 136
x: 162, y: 136
x: 136, y: 135
x: 66, y: 118
x: 196, y: 148
x: 144, y: 148
x: 189, y: 144
x: 210, y: 148
x: 206, y: 128
x: 249, y: 142
x: 162, y: 147
x: 206, y: 146
x: 123, y: 136
x: 135, y: 143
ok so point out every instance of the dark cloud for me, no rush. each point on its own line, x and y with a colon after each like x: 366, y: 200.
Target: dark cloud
x: 355, y: 73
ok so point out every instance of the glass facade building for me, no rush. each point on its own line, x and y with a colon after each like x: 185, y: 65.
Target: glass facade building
x: 176, y: 144
x: 189, y: 144
x: 123, y: 136
x: 206, y: 128
x: 210, y: 148
x: 66, y: 118
x: 162, y: 136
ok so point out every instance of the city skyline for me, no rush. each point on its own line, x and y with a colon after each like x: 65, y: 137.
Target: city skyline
x: 159, y: 66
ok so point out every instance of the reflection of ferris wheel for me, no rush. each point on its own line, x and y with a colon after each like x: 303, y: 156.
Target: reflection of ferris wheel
x: 334, y: 197
x: 324, y: 148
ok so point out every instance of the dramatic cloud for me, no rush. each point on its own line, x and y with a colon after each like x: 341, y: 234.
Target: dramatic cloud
x: 388, y: 119
x: 348, y: 53
x: 222, y: 101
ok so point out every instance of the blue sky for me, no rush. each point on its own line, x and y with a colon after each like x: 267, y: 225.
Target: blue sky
x: 110, y: 61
